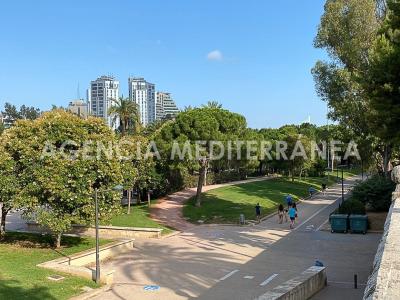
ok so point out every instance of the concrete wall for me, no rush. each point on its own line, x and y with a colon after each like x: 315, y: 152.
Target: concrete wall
x: 111, y: 232
x: 384, y: 282
x: 302, y: 287
x: 82, y: 264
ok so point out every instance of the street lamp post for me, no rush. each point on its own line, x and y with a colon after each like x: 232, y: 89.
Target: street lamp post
x: 342, y: 188
x: 342, y: 167
x: 96, y: 222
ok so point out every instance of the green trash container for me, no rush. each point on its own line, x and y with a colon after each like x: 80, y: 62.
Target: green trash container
x: 338, y: 223
x: 358, y: 223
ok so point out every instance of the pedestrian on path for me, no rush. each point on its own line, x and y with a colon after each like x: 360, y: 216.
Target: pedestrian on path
x: 258, y: 212
x: 289, y: 200
x: 282, y: 213
x: 311, y: 191
x: 294, y: 205
x: 292, y: 216
x: 323, y: 189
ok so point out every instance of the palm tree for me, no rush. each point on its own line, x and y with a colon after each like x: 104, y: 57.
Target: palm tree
x: 127, y: 112
x: 213, y: 104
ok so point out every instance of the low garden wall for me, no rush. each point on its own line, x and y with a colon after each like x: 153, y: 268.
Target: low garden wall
x: 80, y: 264
x: 302, y: 287
x: 113, y: 232
x: 384, y: 281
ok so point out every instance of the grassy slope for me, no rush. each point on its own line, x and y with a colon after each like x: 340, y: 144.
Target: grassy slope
x: 223, y: 205
x: 21, y: 279
x: 139, y: 217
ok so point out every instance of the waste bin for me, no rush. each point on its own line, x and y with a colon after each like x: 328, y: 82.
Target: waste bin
x: 358, y: 223
x: 338, y: 223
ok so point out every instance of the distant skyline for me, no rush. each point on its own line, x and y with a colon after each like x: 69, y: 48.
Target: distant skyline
x: 254, y: 59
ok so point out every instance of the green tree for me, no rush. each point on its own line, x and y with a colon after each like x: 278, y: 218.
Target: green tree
x: 348, y: 31
x: 61, y: 159
x: 9, y: 186
x: 24, y: 112
x: 382, y: 82
x: 205, y: 124
x: 127, y: 112
x: 137, y: 166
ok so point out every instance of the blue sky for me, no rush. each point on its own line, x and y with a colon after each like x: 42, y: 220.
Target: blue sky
x: 259, y: 65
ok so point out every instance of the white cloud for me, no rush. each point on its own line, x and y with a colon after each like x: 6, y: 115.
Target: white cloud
x: 215, y: 55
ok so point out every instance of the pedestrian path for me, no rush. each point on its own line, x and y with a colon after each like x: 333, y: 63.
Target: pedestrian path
x: 168, y: 210
x: 234, y: 262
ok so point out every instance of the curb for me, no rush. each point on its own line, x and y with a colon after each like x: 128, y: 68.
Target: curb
x: 92, y: 293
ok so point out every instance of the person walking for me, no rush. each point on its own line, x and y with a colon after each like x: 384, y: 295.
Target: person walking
x: 323, y: 188
x: 289, y: 200
x: 294, y: 205
x: 292, y: 216
x: 258, y: 213
x: 281, y: 214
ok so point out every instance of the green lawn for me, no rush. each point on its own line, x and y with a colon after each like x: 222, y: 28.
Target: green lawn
x: 139, y: 217
x: 21, y: 279
x: 225, y: 204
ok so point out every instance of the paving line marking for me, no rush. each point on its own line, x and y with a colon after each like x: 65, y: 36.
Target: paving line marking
x: 321, y: 209
x: 319, y: 227
x: 268, y: 280
x: 316, y: 213
x: 248, y: 277
x: 228, y: 275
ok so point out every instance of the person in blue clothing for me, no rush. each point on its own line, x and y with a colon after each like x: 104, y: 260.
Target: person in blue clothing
x: 311, y: 191
x: 289, y: 200
x: 292, y: 215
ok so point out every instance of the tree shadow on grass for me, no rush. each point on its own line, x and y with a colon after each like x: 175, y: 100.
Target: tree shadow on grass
x: 40, y: 241
x: 12, y: 290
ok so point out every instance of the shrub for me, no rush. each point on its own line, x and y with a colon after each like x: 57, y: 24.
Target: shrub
x: 376, y: 192
x: 352, y: 206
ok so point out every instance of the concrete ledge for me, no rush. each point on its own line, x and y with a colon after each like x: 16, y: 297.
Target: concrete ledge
x: 302, y: 287
x: 79, y: 264
x: 384, y: 281
x: 113, y: 232
x: 118, y: 232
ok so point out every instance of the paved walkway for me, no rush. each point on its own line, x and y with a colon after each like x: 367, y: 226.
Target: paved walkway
x: 168, y: 210
x: 233, y: 262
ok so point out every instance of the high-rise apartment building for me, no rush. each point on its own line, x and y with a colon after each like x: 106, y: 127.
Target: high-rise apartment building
x: 160, y: 98
x: 102, y: 92
x: 168, y: 108
x: 143, y: 94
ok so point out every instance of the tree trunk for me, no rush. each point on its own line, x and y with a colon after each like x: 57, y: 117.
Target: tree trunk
x: 4, y: 213
x: 58, y: 240
x: 292, y: 171
x: 386, y: 159
x: 203, y: 168
x: 138, y: 196
x: 122, y: 127
x: 148, y: 198
x: 129, y: 202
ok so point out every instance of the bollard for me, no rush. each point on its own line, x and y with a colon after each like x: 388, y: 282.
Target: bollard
x: 355, y: 281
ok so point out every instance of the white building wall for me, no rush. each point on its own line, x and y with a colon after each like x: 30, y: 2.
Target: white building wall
x: 143, y: 94
x: 100, y: 98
